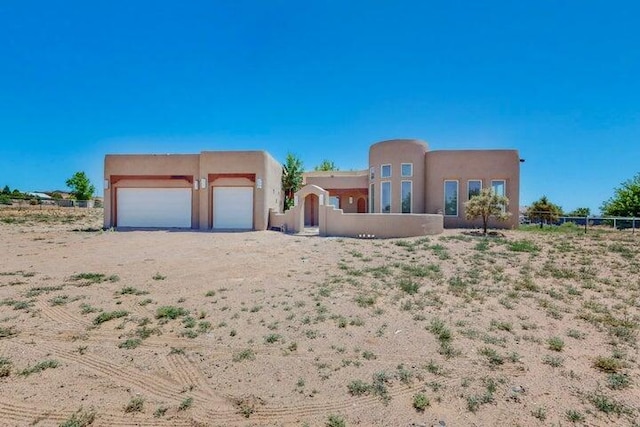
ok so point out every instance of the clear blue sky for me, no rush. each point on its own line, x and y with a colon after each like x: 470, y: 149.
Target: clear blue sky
x: 557, y: 80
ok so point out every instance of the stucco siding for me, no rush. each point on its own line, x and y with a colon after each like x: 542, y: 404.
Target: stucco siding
x: 463, y: 166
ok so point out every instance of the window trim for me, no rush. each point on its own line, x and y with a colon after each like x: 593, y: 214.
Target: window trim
x: 410, y: 194
x: 382, y: 198
x: 382, y: 175
x: 444, y: 188
x: 402, y: 175
x: 470, y: 181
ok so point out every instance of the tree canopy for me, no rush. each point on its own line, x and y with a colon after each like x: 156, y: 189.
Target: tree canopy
x: 485, y: 205
x: 625, y: 201
x: 544, y: 211
x: 326, y: 165
x: 291, y: 178
x: 81, y: 187
x: 580, y: 212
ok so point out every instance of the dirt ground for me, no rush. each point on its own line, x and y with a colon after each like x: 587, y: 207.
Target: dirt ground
x: 524, y: 328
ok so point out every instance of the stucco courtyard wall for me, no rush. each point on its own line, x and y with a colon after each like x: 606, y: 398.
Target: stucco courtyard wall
x: 380, y: 225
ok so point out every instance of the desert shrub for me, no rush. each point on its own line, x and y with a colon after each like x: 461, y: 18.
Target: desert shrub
x: 420, y: 402
x: 136, y: 404
x: 109, y: 315
x: 170, y: 312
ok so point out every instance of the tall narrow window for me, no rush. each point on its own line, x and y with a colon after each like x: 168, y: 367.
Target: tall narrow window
x: 475, y: 186
x: 385, y: 171
x: 451, y: 198
x: 372, y: 203
x: 406, y: 170
x: 385, y: 197
x: 406, y: 196
x: 499, y: 186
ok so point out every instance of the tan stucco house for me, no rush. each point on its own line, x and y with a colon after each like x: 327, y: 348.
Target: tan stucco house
x: 407, y: 190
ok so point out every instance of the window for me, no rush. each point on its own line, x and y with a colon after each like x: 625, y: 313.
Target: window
x: 406, y: 169
x: 372, y: 172
x: 475, y: 186
x: 385, y: 197
x: 335, y: 201
x: 406, y: 196
x: 499, y: 187
x: 372, y: 205
x: 385, y: 171
x: 451, y: 198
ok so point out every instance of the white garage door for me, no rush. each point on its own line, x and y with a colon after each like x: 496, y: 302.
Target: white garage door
x: 233, y: 208
x: 154, y: 207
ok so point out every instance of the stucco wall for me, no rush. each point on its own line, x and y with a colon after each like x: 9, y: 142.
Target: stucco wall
x: 381, y: 225
x: 140, y: 169
x: 395, y: 152
x: 117, y: 166
x: 465, y: 165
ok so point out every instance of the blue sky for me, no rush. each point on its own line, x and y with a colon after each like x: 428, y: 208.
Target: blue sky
x: 557, y: 80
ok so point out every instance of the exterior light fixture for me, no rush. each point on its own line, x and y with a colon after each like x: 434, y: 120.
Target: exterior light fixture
x: 350, y: 200
x: 203, y: 183
x: 195, y: 184
x: 106, y: 184
x: 259, y: 183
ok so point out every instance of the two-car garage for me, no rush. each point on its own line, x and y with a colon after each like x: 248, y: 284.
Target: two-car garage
x: 172, y: 207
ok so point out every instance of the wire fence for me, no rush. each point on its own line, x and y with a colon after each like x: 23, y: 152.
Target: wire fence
x: 595, y: 222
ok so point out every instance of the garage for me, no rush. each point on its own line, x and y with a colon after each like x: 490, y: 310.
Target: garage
x: 154, y: 207
x: 233, y: 208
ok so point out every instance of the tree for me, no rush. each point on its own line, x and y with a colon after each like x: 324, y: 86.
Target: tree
x: 56, y: 195
x: 485, y: 205
x: 81, y: 187
x: 326, y: 165
x: 626, y: 199
x: 544, y: 211
x: 291, y: 178
x: 6, y: 190
x: 581, y: 212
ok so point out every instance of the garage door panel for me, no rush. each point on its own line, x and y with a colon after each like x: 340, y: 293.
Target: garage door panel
x: 233, y: 208
x: 154, y: 207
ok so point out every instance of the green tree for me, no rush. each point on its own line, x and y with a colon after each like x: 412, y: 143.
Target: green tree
x: 544, y: 211
x: 6, y: 190
x: 291, y: 178
x: 56, y: 195
x: 626, y: 199
x: 326, y: 165
x: 485, y: 205
x: 580, y: 212
x: 81, y: 187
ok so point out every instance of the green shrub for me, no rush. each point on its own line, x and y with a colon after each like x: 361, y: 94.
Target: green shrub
x: 109, y: 315
x: 420, y: 402
x: 170, y: 312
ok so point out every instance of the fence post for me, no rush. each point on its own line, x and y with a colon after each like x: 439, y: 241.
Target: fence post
x: 586, y: 222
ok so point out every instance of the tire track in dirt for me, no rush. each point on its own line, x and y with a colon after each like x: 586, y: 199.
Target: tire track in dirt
x: 13, y: 413
x: 60, y: 315
x: 266, y: 414
x: 186, y: 372
x: 153, y: 385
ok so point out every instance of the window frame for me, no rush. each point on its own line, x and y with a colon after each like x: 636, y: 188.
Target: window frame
x: 410, y: 196
x: 382, y: 175
x: 402, y: 165
x: 445, y: 198
x: 469, y: 189
x: 382, y: 183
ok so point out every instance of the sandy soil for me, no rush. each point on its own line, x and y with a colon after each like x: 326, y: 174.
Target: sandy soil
x: 526, y: 328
